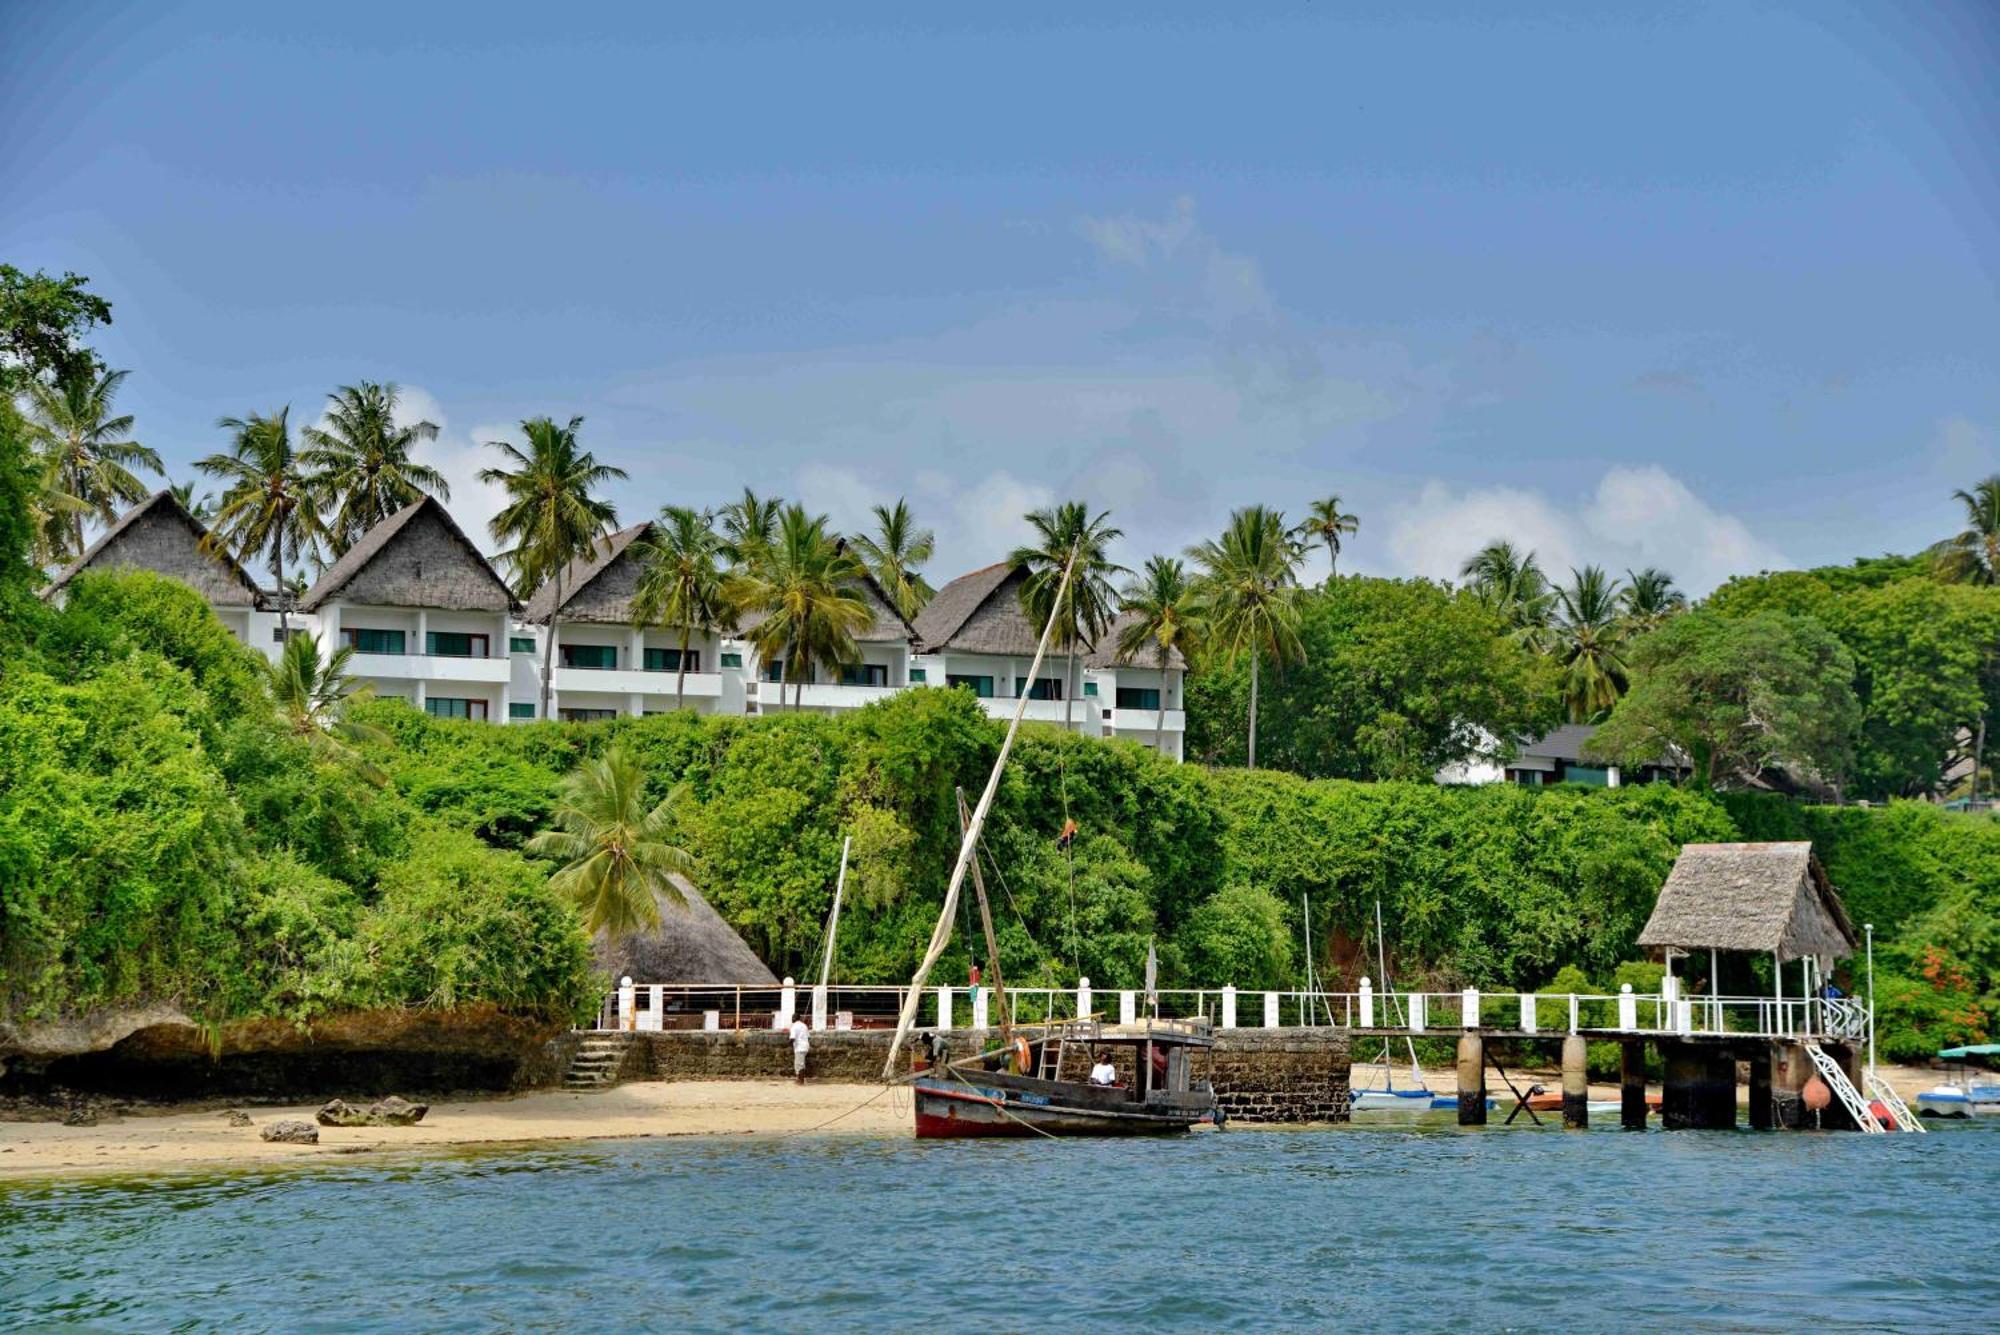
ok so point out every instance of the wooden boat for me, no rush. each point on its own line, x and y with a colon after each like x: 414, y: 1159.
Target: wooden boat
x: 1019, y: 1092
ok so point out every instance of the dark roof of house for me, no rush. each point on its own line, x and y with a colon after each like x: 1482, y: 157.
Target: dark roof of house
x: 417, y: 557
x: 158, y: 534
x: 691, y: 945
x: 598, y: 587
x: 1755, y: 898
x: 1107, y: 655
x: 980, y: 613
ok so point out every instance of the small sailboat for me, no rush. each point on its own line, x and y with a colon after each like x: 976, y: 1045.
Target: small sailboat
x: 1024, y: 1087
x: 1963, y: 1097
x: 1415, y: 1097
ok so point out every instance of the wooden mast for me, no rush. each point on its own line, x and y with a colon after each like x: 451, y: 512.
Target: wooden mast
x: 986, y: 923
x: 941, y: 933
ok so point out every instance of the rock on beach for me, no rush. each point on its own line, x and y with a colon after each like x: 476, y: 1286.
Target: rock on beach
x: 291, y: 1132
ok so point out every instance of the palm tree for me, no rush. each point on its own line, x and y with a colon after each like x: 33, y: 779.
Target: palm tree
x: 1247, y: 595
x: 1650, y: 599
x: 1160, y: 604
x: 86, y: 459
x: 749, y: 527
x: 202, y: 508
x: 267, y: 502
x: 680, y: 582
x: 1588, y: 639
x: 552, y: 516
x: 1089, y: 604
x: 1511, y: 583
x: 804, y: 583
x: 893, y: 554
x: 361, y: 461
x: 1325, y: 524
x: 1973, y: 556
x: 617, y: 863
x: 312, y: 697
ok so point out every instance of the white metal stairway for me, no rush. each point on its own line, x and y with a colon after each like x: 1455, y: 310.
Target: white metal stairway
x: 1886, y: 1094
x: 1852, y: 1099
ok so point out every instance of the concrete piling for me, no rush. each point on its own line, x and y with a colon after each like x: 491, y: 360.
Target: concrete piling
x: 1471, y: 1080
x: 1576, y: 1083
x: 1761, y: 1118
x: 1632, y: 1085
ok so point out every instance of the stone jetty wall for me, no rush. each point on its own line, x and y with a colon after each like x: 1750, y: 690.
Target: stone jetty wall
x: 1260, y: 1075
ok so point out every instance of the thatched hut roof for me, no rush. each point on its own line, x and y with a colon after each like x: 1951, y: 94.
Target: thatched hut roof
x: 980, y: 613
x: 158, y: 534
x: 691, y: 945
x: 597, y: 588
x: 1107, y: 655
x: 417, y: 557
x: 1751, y: 898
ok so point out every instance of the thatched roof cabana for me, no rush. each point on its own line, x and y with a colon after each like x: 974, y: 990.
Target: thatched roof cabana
x: 1767, y: 899
x: 692, y: 945
x: 158, y: 534
x: 417, y: 557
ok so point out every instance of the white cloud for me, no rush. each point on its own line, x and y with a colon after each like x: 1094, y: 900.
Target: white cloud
x: 976, y: 522
x: 1637, y: 517
x: 1138, y: 241
x: 1961, y: 449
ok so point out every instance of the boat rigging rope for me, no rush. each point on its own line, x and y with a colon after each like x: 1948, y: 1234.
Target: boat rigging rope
x: 1069, y: 853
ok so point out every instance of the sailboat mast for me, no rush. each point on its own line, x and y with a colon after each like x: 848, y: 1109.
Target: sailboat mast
x: 833, y: 922
x: 986, y: 923
x: 941, y: 934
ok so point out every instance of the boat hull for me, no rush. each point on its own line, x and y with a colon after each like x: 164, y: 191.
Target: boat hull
x: 960, y: 1110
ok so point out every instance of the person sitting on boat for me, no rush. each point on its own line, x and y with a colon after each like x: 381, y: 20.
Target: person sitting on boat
x: 1104, y: 1073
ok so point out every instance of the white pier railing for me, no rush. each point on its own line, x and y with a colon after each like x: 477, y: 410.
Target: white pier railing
x: 652, y: 1006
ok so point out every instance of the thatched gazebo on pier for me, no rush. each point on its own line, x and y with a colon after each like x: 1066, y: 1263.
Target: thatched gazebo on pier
x: 693, y: 947
x: 1752, y: 899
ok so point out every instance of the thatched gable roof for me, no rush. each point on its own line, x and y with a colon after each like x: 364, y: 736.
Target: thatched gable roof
x: 691, y: 945
x: 1107, y: 655
x: 158, y: 534
x: 417, y: 557
x: 598, y: 588
x: 1753, y: 898
x: 980, y: 613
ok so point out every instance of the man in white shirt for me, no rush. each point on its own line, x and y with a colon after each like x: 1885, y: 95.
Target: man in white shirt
x: 1104, y: 1073
x: 801, y: 1045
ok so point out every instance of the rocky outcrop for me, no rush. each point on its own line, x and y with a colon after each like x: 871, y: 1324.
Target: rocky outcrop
x: 291, y: 1132
x: 160, y: 1054
x: 237, y: 1117
x: 391, y: 1111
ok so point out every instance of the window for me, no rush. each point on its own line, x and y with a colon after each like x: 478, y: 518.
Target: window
x: 732, y: 660
x: 1046, y: 688
x: 367, y: 641
x: 918, y: 676
x: 980, y: 686
x: 1139, y: 697
x: 520, y: 644
x: 603, y: 656
x: 1090, y: 688
x: 456, y: 644
x: 279, y: 634
x: 864, y: 674
x: 517, y: 710
x: 446, y: 707
x: 774, y: 670
x: 669, y: 660
x: 1587, y: 774
x: 588, y: 715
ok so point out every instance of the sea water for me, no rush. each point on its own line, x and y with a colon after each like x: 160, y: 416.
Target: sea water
x: 1355, y: 1229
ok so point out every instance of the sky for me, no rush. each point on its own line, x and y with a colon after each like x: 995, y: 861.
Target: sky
x: 1714, y: 288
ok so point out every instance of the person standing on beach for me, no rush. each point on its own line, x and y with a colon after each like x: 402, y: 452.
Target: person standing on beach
x: 801, y: 1045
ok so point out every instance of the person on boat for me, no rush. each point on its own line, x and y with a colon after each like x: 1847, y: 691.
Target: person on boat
x: 1104, y: 1073
x: 801, y: 1045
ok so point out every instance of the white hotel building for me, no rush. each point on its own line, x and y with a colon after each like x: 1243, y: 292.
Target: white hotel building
x: 432, y: 623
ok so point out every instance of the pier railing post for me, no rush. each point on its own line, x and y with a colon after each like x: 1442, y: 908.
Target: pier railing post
x: 1417, y: 1016
x: 1229, y: 1006
x: 1628, y: 1008
x: 944, y: 1009
x: 979, y: 996
x: 1270, y: 1010
x: 1468, y: 1008
x: 1572, y: 1013
x: 627, y: 1004
x: 1530, y: 1020
x: 788, y: 1004
x: 1128, y: 1008
x: 819, y: 1008
x: 1367, y: 1003
x: 1082, y: 999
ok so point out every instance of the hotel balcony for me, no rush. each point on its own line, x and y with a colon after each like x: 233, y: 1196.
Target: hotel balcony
x: 628, y: 681
x: 823, y: 695
x: 432, y: 667
x: 1145, y: 720
x: 1044, y: 711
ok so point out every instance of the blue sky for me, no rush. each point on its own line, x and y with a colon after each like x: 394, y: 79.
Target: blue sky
x: 1716, y: 288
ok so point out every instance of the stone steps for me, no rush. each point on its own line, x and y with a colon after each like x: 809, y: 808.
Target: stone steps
x: 596, y: 1063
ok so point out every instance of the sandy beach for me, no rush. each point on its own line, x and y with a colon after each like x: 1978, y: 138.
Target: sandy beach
x: 176, y: 1139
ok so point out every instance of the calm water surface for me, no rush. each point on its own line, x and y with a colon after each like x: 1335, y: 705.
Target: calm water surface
x: 1354, y: 1228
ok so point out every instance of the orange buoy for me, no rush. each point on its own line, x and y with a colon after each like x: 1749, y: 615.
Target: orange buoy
x: 1882, y: 1114
x: 1816, y: 1094
x: 1021, y: 1057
